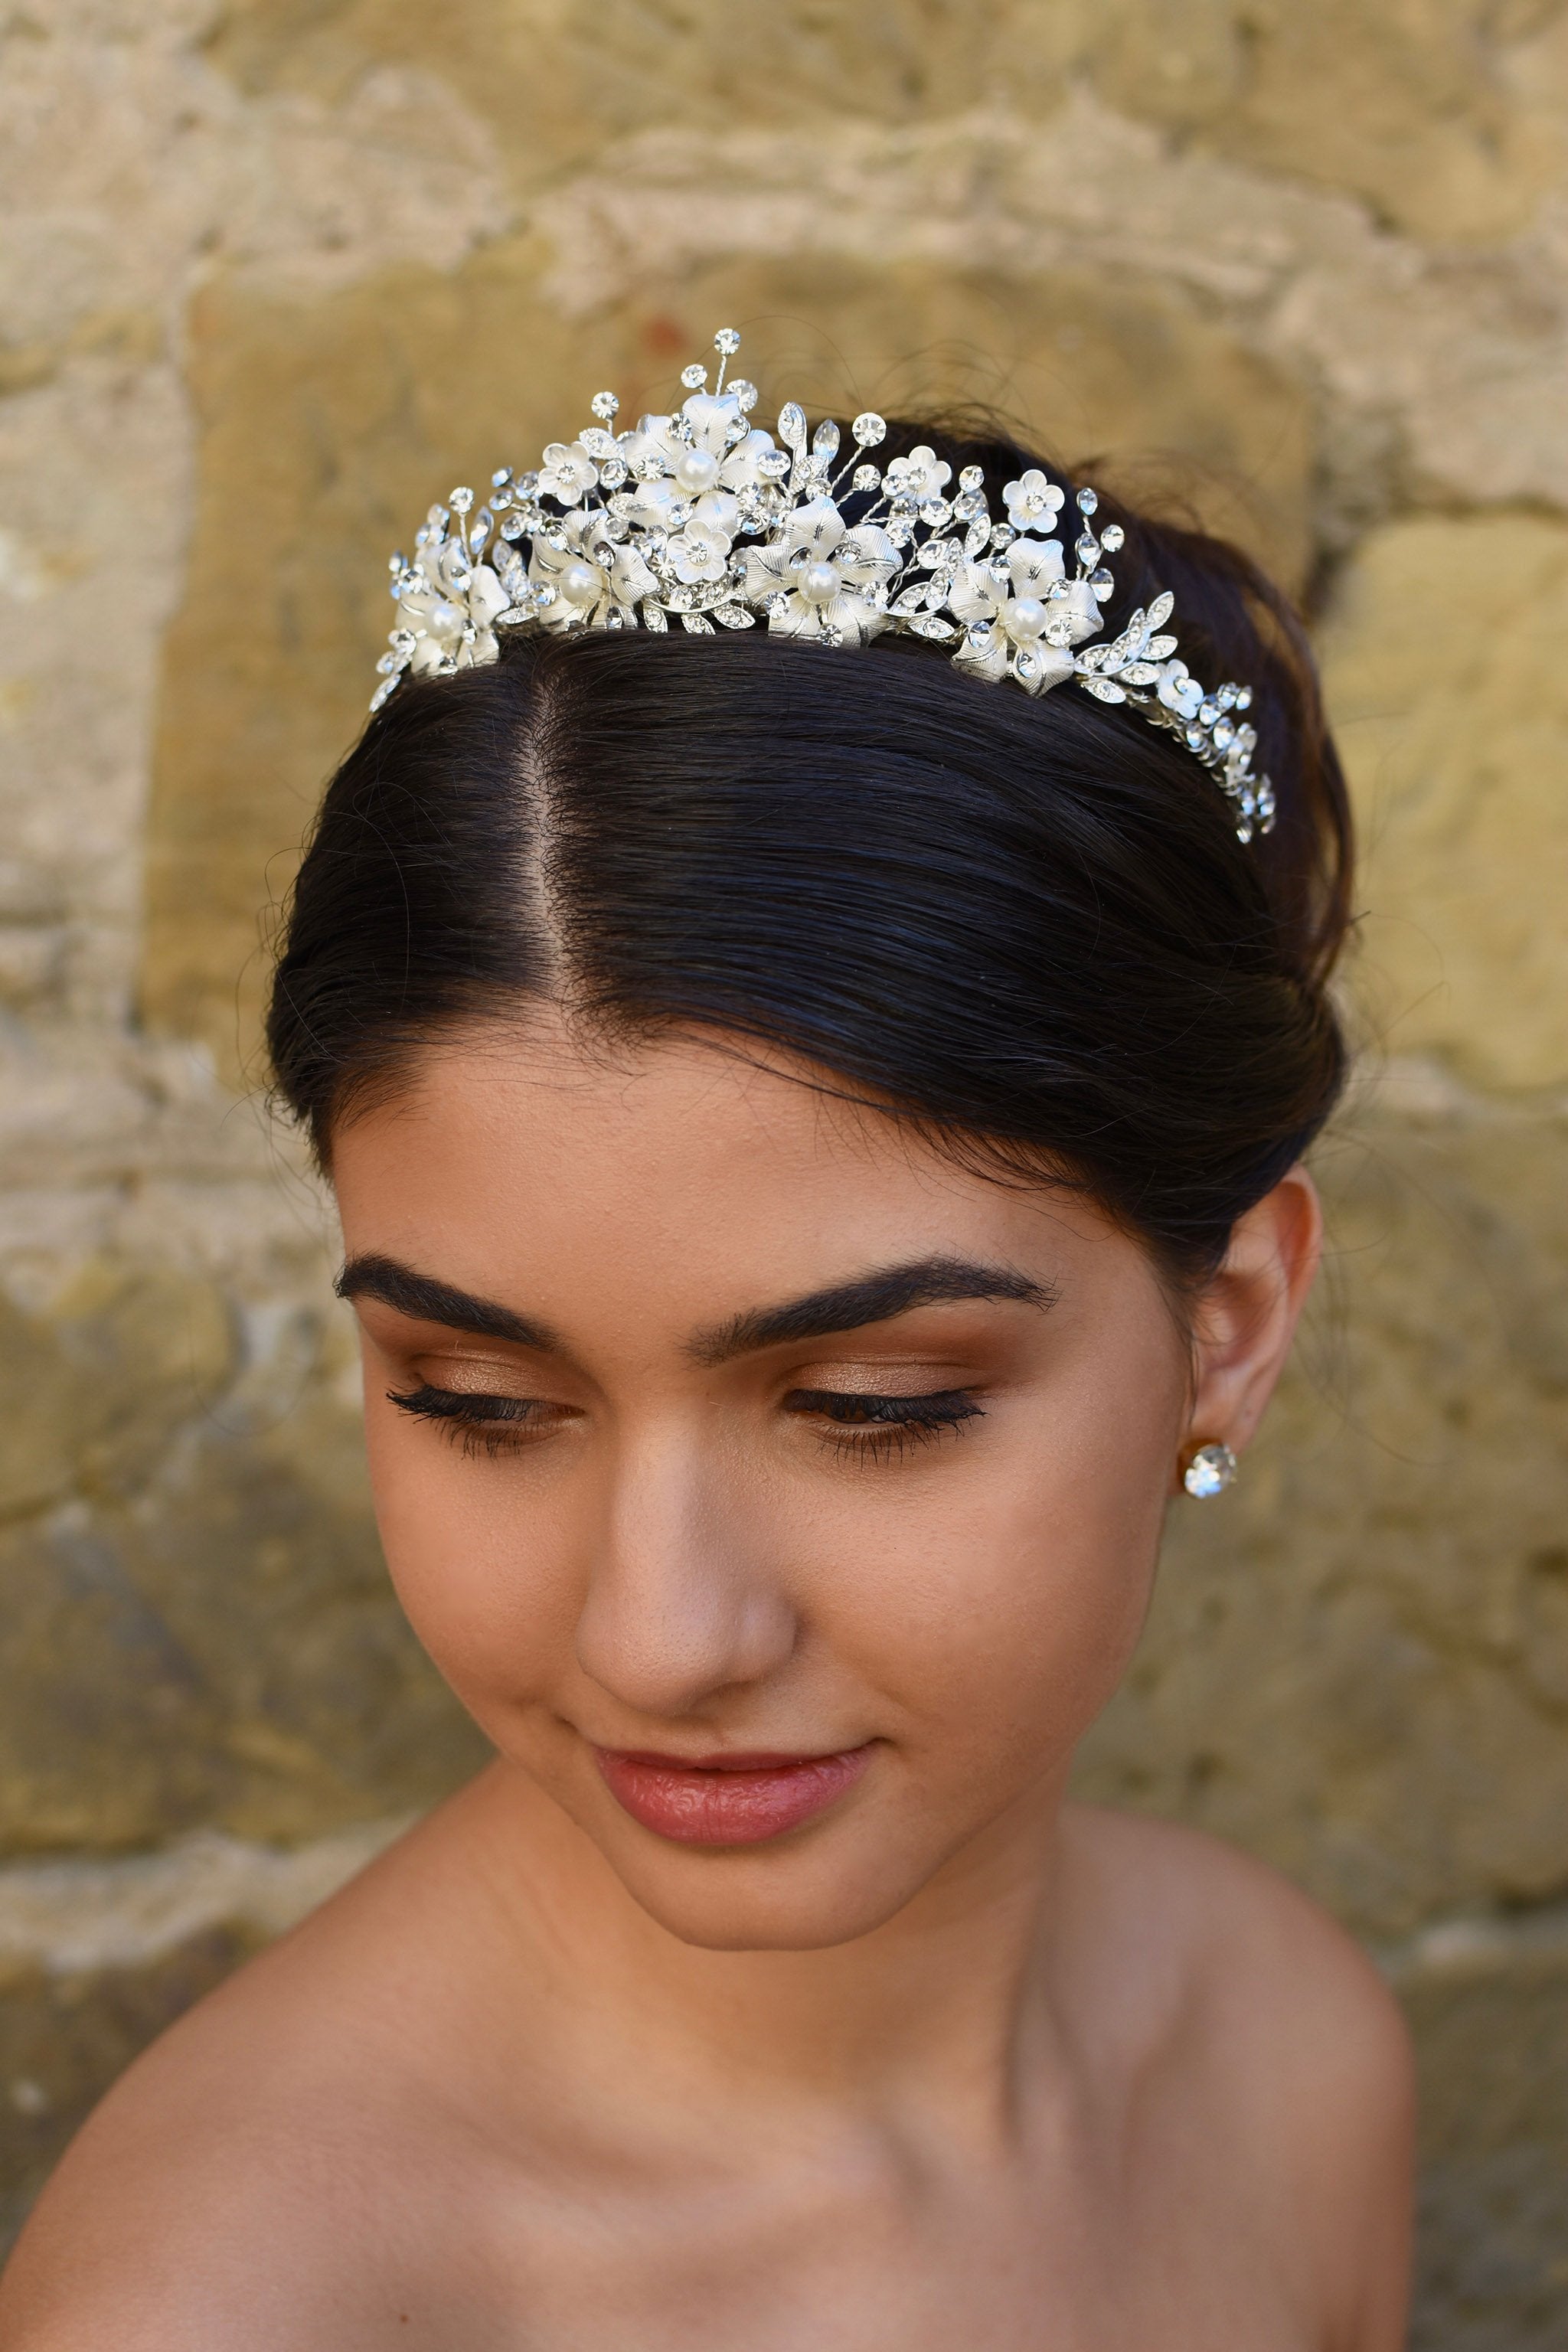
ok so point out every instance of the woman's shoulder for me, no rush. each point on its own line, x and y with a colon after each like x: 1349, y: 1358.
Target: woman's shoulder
x: 1247, y: 2016
x: 223, y: 2190
x: 1231, y: 1940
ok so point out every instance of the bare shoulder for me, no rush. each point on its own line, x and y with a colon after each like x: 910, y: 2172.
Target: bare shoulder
x: 239, y: 2185
x: 1275, y: 2025
x: 1246, y: 1943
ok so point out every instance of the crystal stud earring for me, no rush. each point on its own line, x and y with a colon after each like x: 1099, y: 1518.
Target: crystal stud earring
x: 1209, y: 1472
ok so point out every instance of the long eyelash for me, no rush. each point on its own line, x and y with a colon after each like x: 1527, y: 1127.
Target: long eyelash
x: 470, y: 1422
x: 887, y: 1426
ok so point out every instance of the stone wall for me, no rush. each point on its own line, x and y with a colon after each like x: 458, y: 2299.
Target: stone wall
x: 275, y: 273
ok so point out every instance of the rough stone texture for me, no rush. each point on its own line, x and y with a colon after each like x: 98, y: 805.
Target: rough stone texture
x: 1454, y: 736
x: 276, y: 272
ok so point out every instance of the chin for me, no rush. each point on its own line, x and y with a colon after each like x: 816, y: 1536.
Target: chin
x: 796, y: 1897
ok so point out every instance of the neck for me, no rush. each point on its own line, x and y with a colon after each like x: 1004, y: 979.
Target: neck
x: 947, y: 2002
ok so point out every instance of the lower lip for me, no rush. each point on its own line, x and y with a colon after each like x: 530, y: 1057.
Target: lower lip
x: 739, y: 1802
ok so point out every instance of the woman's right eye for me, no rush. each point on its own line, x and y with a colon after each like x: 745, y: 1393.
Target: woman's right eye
x: 479, y: 1424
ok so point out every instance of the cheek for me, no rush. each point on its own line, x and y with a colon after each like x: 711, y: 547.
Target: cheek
x: 481, y: 1563
x: 994, y: 1608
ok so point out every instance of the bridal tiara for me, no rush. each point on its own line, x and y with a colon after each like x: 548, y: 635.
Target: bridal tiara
x: 704, y: 520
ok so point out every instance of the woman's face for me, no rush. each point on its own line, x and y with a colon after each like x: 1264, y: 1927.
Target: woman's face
x: 738, y: 1430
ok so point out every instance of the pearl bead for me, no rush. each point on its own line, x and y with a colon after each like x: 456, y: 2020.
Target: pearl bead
x: 1026, y: 616
x: 819, y: 584
x: 579, y: 583
x: 696, y: 471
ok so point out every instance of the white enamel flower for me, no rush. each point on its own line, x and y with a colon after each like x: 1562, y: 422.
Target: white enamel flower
x: 568, y: 473
x: 589, y: 578
x: 699, y: 555
x: 1020, y: 616
x: 447, y: 603
x: 922, y: 475
x: 817, y: 579
x: 721, y: 454
x: 1032, y: 501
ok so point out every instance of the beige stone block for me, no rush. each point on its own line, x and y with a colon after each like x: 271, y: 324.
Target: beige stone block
x: 1355, y: 1661
x: 1438, y: 114
x: 327, y: 430
x: 198, y: 1630
x: 92, y: 1392
x: 1488, y: 2002
x: 1442, y: 660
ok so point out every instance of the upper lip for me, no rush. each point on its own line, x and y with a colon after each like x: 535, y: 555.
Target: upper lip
x: 737, y: 1760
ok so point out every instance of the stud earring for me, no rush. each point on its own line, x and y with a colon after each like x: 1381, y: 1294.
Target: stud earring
x: 1209, y: 1472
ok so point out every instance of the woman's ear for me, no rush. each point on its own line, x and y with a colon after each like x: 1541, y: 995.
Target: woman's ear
x: 1247, y: 1315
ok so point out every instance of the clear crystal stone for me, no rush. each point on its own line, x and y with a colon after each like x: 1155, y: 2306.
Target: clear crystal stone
x: 604, y: 406
x: 743, y: 393
x: 1088, y: 551
x: 461, y: 502
x: 1112, y: 538
x: 824, y: 440
x: 727, y: 341
x: 1212, y: 1467
x: 971, y: 479
x: 694, y: 377
x: 866, y: 477
x: 868, y: 428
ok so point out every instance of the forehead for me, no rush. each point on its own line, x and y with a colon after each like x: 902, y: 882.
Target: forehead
x: 698, y: 1172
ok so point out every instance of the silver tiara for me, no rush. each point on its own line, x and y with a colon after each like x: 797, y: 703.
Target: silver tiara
x: 704, y: 520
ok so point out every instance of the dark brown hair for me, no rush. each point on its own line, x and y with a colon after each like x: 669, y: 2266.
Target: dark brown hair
x: 1027, y: 924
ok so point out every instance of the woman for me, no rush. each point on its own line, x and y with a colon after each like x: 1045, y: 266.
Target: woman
x: 817, y: 1114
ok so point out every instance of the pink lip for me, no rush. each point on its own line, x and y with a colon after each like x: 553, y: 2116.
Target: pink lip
x: 727, y: 1799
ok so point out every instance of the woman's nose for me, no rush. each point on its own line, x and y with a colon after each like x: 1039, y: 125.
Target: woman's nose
x: 680, y: 1605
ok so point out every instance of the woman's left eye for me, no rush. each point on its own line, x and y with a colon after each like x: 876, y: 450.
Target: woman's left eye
x: 870, y: 1423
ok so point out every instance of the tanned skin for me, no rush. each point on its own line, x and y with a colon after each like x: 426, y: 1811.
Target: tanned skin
x: 952, y: 2062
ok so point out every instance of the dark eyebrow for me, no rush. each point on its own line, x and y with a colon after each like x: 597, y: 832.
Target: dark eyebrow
x: 872, y: 1298
x: 420, y: 1295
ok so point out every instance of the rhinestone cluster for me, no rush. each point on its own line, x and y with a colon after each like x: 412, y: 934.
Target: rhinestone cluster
x: 703, y: 520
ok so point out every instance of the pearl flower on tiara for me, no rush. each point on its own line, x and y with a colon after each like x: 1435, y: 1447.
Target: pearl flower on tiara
x: 704, y: 519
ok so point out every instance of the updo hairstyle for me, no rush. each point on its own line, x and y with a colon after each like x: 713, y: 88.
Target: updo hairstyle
x: 1025, y: 925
